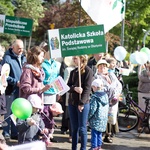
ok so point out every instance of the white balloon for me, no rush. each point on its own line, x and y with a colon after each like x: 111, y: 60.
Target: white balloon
x: 141, y: 58
x: 146, y: 50
x: 120, y: 53
x: 133, y: 58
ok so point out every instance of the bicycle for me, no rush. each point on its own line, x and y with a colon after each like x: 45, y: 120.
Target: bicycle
x: 128, y: 115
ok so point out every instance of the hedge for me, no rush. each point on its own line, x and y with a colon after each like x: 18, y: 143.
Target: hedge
x: 132, y: 81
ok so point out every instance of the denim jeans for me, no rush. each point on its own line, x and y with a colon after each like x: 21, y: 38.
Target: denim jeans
x: 11, y: 126
x: 96, y: 138
x: 78, y: 122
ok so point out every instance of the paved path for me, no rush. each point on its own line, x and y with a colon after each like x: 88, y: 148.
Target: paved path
x: 122, y: 141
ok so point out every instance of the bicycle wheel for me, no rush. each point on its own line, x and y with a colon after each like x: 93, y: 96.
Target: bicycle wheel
x: 148, y: 122
x: 127, y: 119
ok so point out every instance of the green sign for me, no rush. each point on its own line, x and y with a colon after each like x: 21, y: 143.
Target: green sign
x: 16, y: 25
x: 76, y: 41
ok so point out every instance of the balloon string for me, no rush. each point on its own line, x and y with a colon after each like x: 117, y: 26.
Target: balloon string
x: 48, y: 118
x: 42, y: 131
x: 5, y: 119
x: 35, y: 124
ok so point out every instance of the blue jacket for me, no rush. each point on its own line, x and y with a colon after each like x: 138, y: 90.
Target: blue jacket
x: 15, y: 71
x: 98, y: 113
x: 51, y: 70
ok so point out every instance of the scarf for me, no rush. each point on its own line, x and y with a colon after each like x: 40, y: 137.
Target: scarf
x: 36, y: 72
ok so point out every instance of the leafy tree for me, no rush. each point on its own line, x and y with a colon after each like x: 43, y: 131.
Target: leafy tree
x: 68, y: 14
x: 7, y: 39
x: 136, y: 18
x: 6, y: 7
x: 138, y: 15
x: 52, y: 2
x: 63, y: 16
x: 29, y: 9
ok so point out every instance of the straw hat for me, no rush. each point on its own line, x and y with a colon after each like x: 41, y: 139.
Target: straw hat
x: 102, y: 61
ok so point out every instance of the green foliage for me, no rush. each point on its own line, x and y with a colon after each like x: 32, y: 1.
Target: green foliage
x: 136, y: 18
x: 127, y: 56
x: 63, y: 16
x: 30, y: 9
x: 7, y: 39
x: 132, y: 81
x: 6, y: 7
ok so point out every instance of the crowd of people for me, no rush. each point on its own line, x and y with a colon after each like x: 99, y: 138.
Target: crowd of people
x: 94, y: 84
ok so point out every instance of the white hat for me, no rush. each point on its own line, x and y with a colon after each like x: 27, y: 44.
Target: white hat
x: 97, y: 83
x: 35, y: 101
x: 102, y: 61
x: 56, y: 107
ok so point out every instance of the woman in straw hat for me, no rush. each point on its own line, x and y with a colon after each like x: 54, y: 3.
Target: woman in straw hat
x: 112, y: 87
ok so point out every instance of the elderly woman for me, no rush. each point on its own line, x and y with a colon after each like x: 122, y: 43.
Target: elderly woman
x: 79, y: 96
x: 112, y: 87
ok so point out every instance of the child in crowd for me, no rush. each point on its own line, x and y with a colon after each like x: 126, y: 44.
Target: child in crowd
x: 98, y: 114
x: 48, y: 113
x: 29, y: 129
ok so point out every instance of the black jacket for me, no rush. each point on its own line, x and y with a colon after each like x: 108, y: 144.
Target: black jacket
x: 92, y: 64
x: 86, y: 80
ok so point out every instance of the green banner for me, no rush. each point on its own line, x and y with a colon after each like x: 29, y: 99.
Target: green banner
x: 77, y: 41
x: 16, y: 25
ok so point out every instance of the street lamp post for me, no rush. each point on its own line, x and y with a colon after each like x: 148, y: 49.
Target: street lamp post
x: 145, y: 35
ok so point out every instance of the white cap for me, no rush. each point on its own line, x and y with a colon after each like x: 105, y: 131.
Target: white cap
x: 35, y: 101
x: 56, y: 107
x: 97, y: 83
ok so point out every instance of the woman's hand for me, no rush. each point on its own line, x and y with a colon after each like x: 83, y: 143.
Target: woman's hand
x: 78, y: 90
x: 31, y: 122
x: 80, y: 107
x: 45, y: 131
x: 45, y: 88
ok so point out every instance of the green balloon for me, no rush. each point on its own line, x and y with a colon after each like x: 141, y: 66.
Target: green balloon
x: 145, y: 50
x: 21, y: 108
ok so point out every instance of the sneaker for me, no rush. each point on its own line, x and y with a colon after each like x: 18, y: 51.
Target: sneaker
x: 113, y: 135
x: 147, y: 131
x: 6, y: 136
x: 70, y: 140
x: 107, y: 139
x: 64, y: 132
x: 53, y: 140
x: 14, y: 137
x: 140, y: 129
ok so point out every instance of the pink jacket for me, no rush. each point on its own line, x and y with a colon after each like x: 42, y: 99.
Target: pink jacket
x: 30, y: 83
